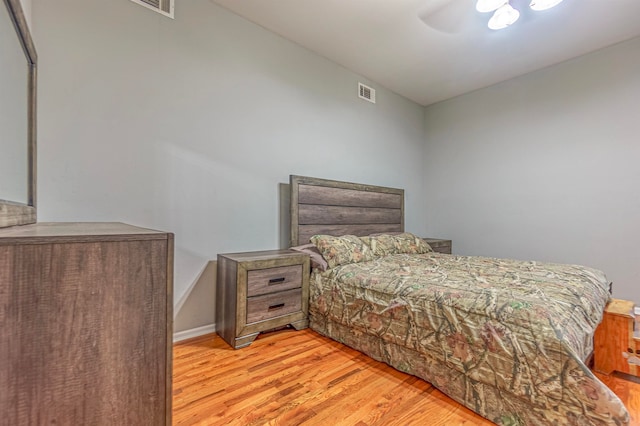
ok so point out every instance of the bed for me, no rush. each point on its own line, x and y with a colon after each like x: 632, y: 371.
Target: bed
x: 508, y: 339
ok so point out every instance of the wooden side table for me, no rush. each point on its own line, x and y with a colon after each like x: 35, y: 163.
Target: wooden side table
x: 260, y: 291
x: 615, y: 346
x: 439, y: 245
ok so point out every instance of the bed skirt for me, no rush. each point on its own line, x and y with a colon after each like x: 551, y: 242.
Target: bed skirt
x: 496, y: 405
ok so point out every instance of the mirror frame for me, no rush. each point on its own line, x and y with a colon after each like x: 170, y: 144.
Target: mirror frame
x: 12, y: 213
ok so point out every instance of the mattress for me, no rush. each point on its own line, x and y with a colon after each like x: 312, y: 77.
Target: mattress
x: 507, y: 339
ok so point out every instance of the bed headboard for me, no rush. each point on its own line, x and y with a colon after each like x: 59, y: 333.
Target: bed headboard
x: 321, y: 206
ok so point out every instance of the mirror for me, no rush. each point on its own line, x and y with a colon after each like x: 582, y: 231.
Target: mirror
x: 17, y: 118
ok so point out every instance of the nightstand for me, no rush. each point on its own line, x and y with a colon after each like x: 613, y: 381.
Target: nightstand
x: 439, y: 245
x: 260, y: 291
x: 616, y: 347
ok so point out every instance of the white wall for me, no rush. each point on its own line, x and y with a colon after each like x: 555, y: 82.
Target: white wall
x: 189, y: 125
x: 545, y: 166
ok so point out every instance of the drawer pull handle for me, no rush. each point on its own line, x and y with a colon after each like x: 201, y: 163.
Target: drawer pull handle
x: 276, y: 280
x: 277, y: 306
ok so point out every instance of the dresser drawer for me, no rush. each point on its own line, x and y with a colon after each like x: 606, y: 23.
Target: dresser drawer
x: 273, y: 305
x: 263, y: 281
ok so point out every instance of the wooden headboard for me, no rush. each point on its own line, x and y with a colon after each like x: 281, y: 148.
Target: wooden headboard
x: 321, y: 206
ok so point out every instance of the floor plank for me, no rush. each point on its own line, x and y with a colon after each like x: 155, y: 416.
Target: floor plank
x: 301, y: 378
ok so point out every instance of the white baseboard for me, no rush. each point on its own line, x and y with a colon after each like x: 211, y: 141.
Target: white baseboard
x: 194, y: 332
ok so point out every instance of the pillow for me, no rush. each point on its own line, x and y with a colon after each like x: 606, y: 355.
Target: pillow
x: 342, y: 250
x: 377, y: 234
x: 382, y: 245
x: 317, y: 261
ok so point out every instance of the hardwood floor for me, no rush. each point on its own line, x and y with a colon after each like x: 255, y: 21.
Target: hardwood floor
x: 299, y: 377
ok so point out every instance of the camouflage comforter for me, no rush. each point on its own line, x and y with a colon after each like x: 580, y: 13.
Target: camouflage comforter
x: 505, y: 338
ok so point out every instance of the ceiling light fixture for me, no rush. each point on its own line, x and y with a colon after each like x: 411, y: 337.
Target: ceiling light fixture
x: 505, y: 14
x: 543, y: 4
x: 503, y: 17
x: 484, y: 6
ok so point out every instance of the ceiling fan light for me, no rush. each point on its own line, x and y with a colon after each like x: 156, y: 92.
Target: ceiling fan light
x: 543, y: 4
x: 503, y: 17
x: 485, y: 6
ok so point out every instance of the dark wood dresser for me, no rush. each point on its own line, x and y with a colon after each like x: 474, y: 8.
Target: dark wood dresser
x: 85, y: 324
x: 259, y: 291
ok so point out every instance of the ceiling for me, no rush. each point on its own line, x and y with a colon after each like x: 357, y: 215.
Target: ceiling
x: 432, y: 50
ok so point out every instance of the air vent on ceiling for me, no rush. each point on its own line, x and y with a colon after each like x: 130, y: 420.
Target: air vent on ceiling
x: 164, y: 7
x: 366, y: 93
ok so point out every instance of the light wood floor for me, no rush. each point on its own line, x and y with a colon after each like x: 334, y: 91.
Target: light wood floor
x: 299, y: 377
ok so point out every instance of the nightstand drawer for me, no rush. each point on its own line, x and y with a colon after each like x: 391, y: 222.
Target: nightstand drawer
x: 439, y: 245
x: 446, y: 249
x: 263, y: 281
x: 273, y: 305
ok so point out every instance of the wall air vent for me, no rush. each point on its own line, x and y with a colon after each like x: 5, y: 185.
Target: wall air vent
x: 366, y: 93
x: 164, y: 7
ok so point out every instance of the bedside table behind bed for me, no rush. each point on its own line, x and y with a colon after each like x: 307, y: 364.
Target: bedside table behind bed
x: 439, y: 245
